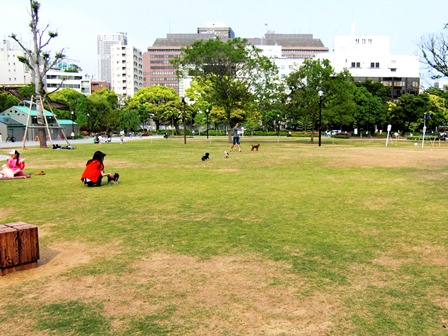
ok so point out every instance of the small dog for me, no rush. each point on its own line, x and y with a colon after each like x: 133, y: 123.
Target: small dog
x: 255, y: 147
x: 113, y: 179
x: 206, y: 157
x: 226, y: 154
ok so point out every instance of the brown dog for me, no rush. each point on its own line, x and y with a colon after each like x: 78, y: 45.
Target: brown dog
x: 255, y: 147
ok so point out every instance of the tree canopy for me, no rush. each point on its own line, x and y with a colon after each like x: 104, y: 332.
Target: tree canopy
x: 232, y: 74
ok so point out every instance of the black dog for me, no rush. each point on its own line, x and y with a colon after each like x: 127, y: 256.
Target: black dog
x: 206, y: 157
x: 114, y: 178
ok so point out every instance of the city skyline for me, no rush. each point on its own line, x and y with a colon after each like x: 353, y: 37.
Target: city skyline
x: 78, y: 24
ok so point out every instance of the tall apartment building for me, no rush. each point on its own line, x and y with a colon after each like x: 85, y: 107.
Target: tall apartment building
x: 104, y: 43
x: 126, y: 70
x: 12, y: 71
x: 369, y: 57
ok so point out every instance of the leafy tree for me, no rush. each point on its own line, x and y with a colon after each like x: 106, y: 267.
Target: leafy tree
x: 7, y: 100
x: 369, y: 110
x: 409, y: 109
x: 232, y: 74
x: 103, y: 110
x: 156, y: 102
x: 27, y: 91
x: 39, y: 61
x: 303, y: 99
x: 377, y: 89
x: 434, y: 49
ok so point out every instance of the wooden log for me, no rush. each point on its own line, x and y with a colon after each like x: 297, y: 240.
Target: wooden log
x: 9, y: 247
x: 19, y: 247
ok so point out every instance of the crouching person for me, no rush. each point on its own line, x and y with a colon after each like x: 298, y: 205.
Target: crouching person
x: 94, y: 171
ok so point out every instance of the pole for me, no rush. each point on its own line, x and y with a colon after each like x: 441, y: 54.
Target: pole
x: 320, y: 116
x: 206, y: 115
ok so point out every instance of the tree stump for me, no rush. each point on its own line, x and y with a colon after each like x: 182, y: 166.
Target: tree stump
x: 19, y: 247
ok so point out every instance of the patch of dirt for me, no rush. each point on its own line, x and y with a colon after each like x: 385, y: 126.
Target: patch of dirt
x: 367, y: 157
x: 220, y: 295
x: 53, y: 261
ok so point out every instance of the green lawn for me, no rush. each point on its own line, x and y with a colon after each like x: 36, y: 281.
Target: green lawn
x: 347, y: 239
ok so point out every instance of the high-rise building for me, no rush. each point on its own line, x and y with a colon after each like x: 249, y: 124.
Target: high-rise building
x: 12, y: 71
x: 126, y: 70
x: 104, y: 42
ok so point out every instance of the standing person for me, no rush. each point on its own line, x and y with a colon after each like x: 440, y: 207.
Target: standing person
x: 236, y: 138
x: 122, y: 136
x: 94, y: 171
x: 16, y: 164
x: 1, y: 139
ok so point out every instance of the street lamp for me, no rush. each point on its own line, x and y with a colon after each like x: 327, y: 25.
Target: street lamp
x: 320, y: 93
x: 185, y: 101
x: 278, y: 125
x: 88, y: 122
x: 73, y: 124
x: 207, y: 111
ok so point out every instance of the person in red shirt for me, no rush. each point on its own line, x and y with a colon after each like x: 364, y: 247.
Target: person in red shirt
x: 94, y: 171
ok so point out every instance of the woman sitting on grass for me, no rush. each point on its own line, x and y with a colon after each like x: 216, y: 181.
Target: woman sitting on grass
x: 16, y: 164
x: 94, y: 171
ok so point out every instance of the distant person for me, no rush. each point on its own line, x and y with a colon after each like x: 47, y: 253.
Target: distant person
x: 1, y: 139
x: 16, y: 164
x: 94, y: 171
x: 236, y: 138
x: 122, y: 136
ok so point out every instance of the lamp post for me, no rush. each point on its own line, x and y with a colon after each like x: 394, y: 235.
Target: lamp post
x: 73, y: 124
x: 185, y: 101
x: 278, y: 124
x: 88, y: 122
x: 320, y: 93
x: 207, y: 111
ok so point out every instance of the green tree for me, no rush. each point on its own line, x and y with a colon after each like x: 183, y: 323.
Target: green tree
x: 7, y: 100
x: 231, y: 73
x: 369, y: 110
x: 156, y: 102
x: 103, y: 110
x: 303, y: 99
x: 39, y: 61
x: 27, y: 91
x: 409, y: 109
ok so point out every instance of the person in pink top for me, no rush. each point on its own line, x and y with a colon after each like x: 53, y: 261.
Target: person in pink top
x: 16, y: 164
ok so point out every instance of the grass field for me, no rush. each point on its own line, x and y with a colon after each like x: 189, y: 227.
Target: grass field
x: 347, y: 239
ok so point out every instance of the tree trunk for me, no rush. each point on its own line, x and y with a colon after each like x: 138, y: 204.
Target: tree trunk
x: 38, y: 82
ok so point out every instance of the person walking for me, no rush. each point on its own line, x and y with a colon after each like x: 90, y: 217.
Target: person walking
x: 236, y: 138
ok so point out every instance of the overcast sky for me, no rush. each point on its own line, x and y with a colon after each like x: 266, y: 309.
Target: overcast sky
x: 79, y: 22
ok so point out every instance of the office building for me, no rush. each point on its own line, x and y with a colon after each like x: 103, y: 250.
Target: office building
x: 369, y: 58
x: 104, y: 43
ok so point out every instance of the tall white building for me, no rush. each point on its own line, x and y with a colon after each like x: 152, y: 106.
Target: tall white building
x: 126, y: 70
x: 104, y: 43
x: 12, y: 71
x: 369, y: 57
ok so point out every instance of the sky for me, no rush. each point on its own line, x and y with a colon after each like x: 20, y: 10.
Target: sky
x: 79, y: 22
